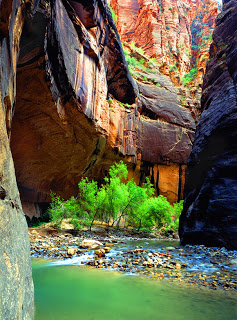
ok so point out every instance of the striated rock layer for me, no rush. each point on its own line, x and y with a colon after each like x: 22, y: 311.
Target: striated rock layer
x: 78, y: 109
x: 166, y: 134
x: 16, y: 286
x: 210, y: 209
x: 177, y: 33
x: 64, y: 126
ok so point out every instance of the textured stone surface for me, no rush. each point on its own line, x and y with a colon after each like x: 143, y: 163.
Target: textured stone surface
x: 176, y: 32
x: 64, y: 126
x: 16, y: 286
x: 210, y: 208
x: 166, y: 134
x: 76, y: 110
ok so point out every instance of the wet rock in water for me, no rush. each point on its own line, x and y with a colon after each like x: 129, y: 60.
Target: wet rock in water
x: 90, y: 244
x: 106, y: 249
x: 150, y: 263
x: 71, y: 251
x: 178, y: 266
x: 100, y: 252
x: 233, y: 263
x: 170, y: 248
x: 108, y: 244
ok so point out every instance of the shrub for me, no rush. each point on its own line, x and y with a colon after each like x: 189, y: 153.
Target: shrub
x: 115, y: 199
x: 189, y: 76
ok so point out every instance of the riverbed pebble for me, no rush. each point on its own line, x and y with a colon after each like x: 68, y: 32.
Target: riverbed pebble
x: 210, y: 267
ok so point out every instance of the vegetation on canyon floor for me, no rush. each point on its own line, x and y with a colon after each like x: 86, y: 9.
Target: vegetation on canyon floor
x: 190, y: 76
x: 117, y: 199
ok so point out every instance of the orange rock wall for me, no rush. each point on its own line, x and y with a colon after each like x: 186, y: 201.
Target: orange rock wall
x: 177, y: 33
x: 64, y: 126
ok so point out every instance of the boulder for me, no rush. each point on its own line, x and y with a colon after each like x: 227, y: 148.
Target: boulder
x: 71, y: 251
x: 90, y: 244
x: 100, y: 252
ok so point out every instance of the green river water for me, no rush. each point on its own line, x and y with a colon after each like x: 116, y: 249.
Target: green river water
x: 82, y: 293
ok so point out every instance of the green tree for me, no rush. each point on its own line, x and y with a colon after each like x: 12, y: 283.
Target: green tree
x: 60, y: 209
x: 117, y: 198
x: 116, y: 191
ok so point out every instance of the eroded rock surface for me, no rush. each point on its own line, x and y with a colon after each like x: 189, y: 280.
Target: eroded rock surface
x: 64, y: 125
x: 78, y: 108
x: 16, y: 286
x: 167, y: 133
x: 210, y: 208
x: 177, y: 33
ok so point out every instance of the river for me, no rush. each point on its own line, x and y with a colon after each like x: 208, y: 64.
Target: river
x: 75, y: 292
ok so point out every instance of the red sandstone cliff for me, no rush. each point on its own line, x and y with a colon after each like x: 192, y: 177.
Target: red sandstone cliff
x: 177, y: 33
x: 78, y: 109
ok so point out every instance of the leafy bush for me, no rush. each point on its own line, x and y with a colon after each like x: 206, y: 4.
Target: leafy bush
x: 189, y: 76
x: 139, y: 50
x: 117, y: 198
x: 114, y: 15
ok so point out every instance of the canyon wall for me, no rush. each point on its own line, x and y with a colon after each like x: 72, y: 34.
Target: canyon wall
x: 78, y: 109
x: 210, y: 208
x: 166, y: 133
x: 64, y: 124
x: 16, y: 286
x: 176, y: 33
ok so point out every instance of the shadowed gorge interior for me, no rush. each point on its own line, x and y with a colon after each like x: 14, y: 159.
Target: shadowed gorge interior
x: 65, y: 125
x: 74, y: 100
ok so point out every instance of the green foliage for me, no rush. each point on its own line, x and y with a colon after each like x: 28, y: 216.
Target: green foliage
x: 117, y: 198
x: 189, y: 76
x: 139, y: 50
x: 126, y: 51
x: 114, y: 16
x: 61, y: 209
x: 171, y: 68
x: 176, y: 211
x: 133, y: 61
x: 140, y: 64
x: 153, y: 60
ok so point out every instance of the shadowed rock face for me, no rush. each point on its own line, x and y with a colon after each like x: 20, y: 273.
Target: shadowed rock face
x: 68, y: 122
x: 210, y: 208
x: 16, y: 286
x: 166, y: 136
x: 64, y: 126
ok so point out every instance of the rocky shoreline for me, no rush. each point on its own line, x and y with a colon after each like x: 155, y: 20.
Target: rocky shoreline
x: 159, y: 259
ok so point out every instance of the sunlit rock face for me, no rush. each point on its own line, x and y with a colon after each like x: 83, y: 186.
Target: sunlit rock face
x: 16, y: 286
x: 210, y: 208
x: 177, y: 33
